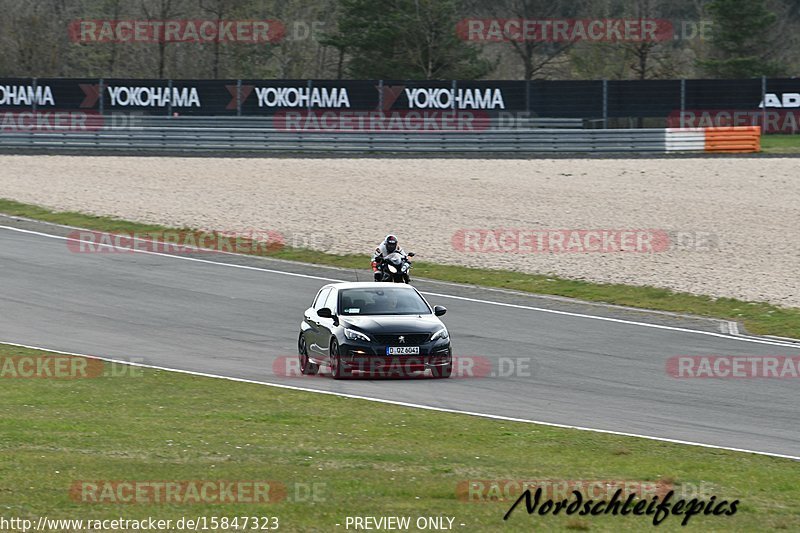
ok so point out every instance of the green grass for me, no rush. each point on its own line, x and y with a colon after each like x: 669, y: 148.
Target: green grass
x: 780, y: 144
x: 365, y: 458
x: 758, y: 318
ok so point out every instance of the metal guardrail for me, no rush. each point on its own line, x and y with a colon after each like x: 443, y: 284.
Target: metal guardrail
x: 515, y: 122
x: 209, y: 135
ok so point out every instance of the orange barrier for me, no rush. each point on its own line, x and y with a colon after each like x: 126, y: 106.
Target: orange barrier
x: 743, y: 139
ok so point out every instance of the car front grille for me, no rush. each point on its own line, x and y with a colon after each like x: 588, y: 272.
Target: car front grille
x: 411, y: 339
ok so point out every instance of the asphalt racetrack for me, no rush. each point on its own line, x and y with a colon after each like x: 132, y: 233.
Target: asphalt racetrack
x: 236, y: 316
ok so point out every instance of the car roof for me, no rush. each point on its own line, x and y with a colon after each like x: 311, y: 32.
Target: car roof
x: 367, y: 285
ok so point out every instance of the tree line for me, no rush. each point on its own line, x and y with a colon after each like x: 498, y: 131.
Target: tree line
x: 414, y: 39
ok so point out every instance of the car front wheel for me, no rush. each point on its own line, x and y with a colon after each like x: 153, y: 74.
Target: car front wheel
x: 337, y: 367
x: 307, y: 368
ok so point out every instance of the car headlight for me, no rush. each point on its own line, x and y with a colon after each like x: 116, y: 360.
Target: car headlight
x: 392, y: 269
x: 441, y: 334
x: 354, y: 335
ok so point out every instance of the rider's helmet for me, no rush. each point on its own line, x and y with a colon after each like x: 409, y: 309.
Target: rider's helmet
x: 391, y: 243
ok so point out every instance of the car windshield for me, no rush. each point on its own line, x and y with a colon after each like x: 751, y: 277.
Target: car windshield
x: 382, y: 301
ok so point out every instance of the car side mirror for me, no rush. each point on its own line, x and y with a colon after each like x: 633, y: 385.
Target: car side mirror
x: 439, y: 310
x: 324, y: 313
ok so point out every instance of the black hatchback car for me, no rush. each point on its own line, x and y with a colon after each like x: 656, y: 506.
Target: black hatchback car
x: 381, y: 329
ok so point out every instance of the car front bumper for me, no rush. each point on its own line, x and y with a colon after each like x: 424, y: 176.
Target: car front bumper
x: 372, y: 359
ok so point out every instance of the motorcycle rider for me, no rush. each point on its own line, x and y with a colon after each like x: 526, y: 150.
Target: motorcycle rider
x: 388, y: 246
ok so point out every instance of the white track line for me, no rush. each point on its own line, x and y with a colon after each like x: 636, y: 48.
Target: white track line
x: 438, y: 295
x: 727, y: 326
x: 160, y: 254
x: 407, y: 404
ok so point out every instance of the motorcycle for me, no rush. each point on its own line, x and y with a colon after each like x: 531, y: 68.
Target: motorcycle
x: 395, y: 268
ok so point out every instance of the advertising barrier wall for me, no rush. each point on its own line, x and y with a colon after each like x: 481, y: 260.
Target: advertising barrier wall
x: 773, y: 104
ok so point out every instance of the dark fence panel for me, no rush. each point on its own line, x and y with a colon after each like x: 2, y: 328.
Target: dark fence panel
x: 724, y: 94
x: 648, y: 98
x: 576, y: 99
x: 648, y: 103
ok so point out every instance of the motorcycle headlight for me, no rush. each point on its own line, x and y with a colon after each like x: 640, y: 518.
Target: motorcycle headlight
x: 392, y: 269
x: 441, y: 334
x: 354, y: 335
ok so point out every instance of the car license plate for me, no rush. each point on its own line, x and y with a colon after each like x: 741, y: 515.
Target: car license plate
x: 402, y: 350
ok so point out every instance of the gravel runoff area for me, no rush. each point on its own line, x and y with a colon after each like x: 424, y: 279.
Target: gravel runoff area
x: 734, y: 223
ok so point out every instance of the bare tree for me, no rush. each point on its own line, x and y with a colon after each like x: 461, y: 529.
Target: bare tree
x: 160, y: 10
x: 219, y: 9
x: 642, y: 50
x: 535, y: 54
x: 112, y: 59
x: 34, y: 40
